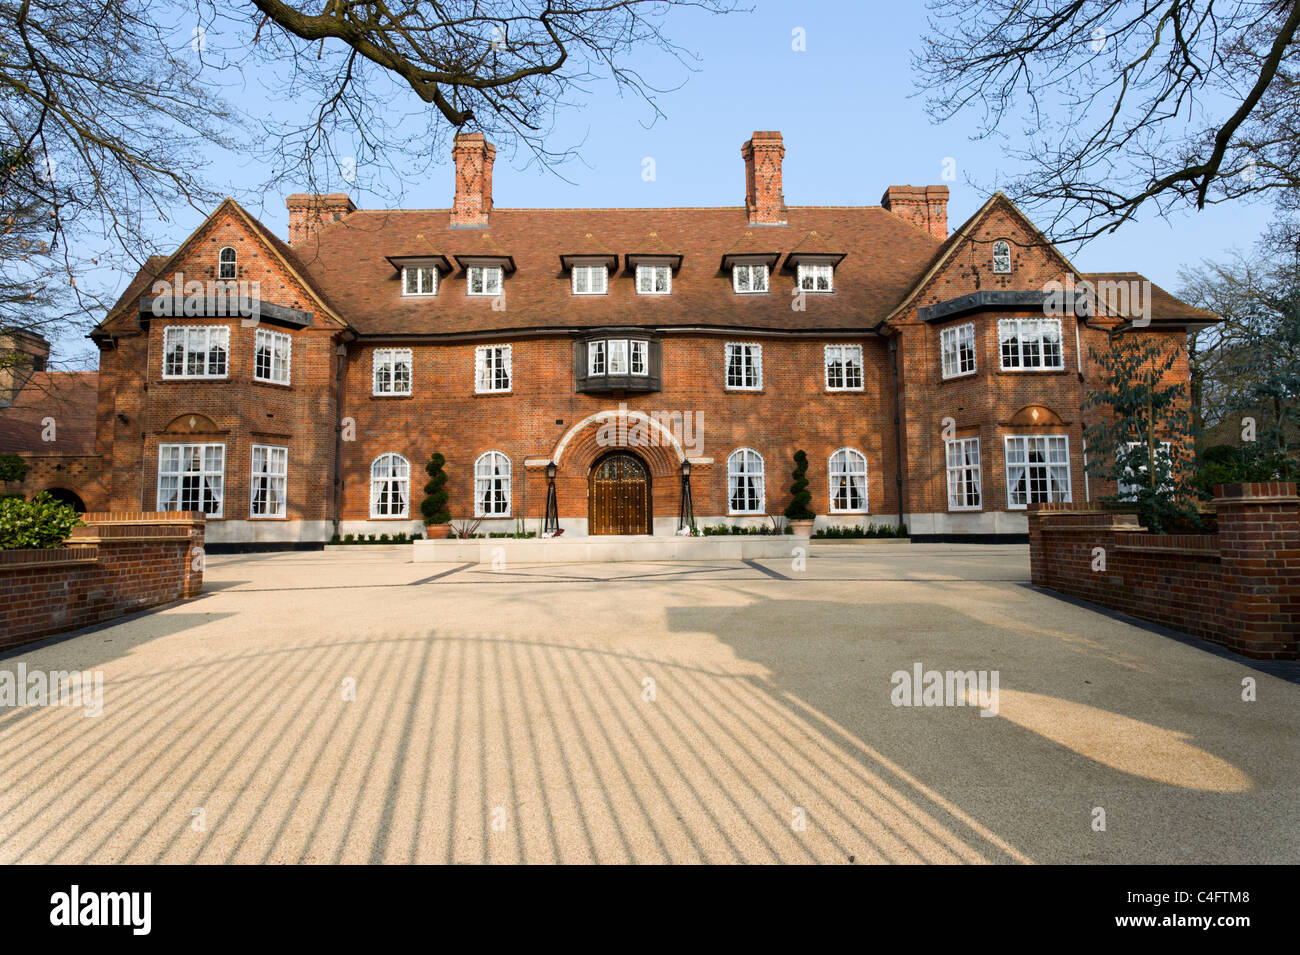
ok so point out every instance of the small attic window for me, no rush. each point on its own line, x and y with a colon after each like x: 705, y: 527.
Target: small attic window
x: 226, y: 263
x: 1002, y: 257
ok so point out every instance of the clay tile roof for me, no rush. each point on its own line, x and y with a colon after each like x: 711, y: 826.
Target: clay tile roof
x: 814, y: 245
x: 421, y: 248
x: 1164, y: 306
x: 750, y: 246
x: 485, y: 248
x: 652, y: 246
x: 69, y: 397
x: 587, y: 247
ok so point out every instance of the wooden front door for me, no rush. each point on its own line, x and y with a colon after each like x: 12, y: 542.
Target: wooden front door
x: 619, y: 496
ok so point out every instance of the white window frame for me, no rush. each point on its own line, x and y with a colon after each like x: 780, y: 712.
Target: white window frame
x: 951, y: 357
x: 1129, y: 491
x: 204, y: 474
x: 756, y: 365
x: 638, y: 347
x: 1040, y: 326
x: 654, y: 272
x: 1002, y: 257
x: 388, y: 471
x: 281, y: 348
x: 595, y: 278
x: 490, y: 363
x: 740, y: 467
x: 493, y: 468
x: 596, y: 358
x: 1047, y: 464
x: 752, y: 271
x: 211, y: 334
x: 852, y: 464
x: 962, y: 473
x: 222, y: 275
x: 846, y: 355
x: 383, y: 371
x: 273, y: 478
x: 423, y: 289
x: 484, y: 274
x: 810, y: 273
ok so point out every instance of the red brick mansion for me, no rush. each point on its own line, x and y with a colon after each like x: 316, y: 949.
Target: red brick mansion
x: 921, y: 371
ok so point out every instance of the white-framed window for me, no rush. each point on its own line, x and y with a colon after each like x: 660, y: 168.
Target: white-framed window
x: 392, y: 371
x: 419, y: 280
x: 484, y: 280
x: 191, y: 477
x: 744, y: 366
x: 590, y: 279
x: 848, y: 481
x: 492, y: 368
x: 1028, y: 344
x: 270, y: 478
x: 957, y: 350
x: 272, y: 353
x: 654, y: 280
x: 816, y: 278
x: 843, y: 367
x: 1130, y: 490
x: 963, y: 466
x: 747, y: 279
x: 390, y: 486
x: 227, y: 262
x: 1002, y: 257
x: 196, y: 351
x: 745, y: 482
x: 1038, y: 469
x: 596, y: 358
x: 640, y: 357
x: 492, y: 485
x: 616, y: 352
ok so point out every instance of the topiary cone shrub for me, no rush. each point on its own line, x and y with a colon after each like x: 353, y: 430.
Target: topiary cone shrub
x: 434, y: 506
x: 800, y: 498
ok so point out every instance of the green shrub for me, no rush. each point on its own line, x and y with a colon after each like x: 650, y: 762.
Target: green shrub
x: 434, y: 505
x: 725, y: 530
x: 800, y: 496
x: 349, y: 538
x: 12, y: 468
x: 845, y: 532
x: 38, y: 523
x: 383, y: 538
x: 1224, y: 464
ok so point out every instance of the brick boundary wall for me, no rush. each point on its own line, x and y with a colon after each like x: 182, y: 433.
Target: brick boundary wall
x: 1239, y: 587
x: 117, y: 563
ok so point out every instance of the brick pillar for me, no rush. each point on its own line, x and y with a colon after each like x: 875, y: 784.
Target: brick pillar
x: 1259, y: 549
x: 195, y: 558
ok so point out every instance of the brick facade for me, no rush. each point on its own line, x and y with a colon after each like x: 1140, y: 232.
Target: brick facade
x: 337, y: 291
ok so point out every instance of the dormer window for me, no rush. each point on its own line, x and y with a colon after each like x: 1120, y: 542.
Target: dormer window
x: 1002, y: 257
x: 590, y: 280
x: 654, y: 279
x: 485, y: 280
x: 419, y: 280
x: 226, y: 263
x: 816, y: 278
x: 749, y: 279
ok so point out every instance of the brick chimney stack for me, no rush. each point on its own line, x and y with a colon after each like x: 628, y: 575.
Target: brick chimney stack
x: 926, y: 207
x: 21, y: 353
x: 764, y: 197
x: 473, y: 203
x: 308, y: 212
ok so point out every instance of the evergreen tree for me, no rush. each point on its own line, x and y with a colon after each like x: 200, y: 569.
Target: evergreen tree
x: 434, y: 505
x: 800, y: 498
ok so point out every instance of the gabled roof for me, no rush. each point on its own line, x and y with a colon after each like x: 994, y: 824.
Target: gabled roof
x: 749, y: 246
x: 70, y: 397
x: 588, y: 248
x: 124, y: 308
x: 347, y: 260
x: 814, y: 246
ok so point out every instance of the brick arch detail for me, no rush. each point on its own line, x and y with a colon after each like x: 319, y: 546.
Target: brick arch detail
x: 581, y: 446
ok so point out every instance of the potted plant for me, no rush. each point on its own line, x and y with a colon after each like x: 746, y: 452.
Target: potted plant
x: 797, y: 512
x: 437, y: 519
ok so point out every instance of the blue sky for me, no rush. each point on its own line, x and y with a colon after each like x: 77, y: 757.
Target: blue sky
x: 847, y: 107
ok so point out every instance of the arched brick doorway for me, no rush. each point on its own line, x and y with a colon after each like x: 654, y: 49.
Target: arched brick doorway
x: 618, y: 495
x: 71, y: 498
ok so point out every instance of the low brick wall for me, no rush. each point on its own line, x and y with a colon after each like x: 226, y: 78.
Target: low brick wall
x: 1239, y: 586
x: 116, y: 564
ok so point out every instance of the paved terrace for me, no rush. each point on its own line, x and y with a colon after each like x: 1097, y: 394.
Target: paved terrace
x: 504, y: 716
